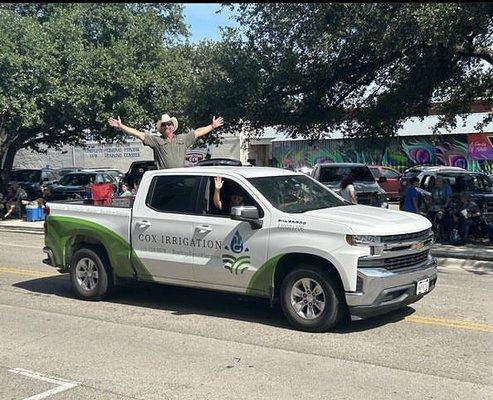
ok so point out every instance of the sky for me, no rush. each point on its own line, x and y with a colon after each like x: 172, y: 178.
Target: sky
x: 204, y: 22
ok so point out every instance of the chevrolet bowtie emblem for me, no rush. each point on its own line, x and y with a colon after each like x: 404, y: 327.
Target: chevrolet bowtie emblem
x: 418, y: 246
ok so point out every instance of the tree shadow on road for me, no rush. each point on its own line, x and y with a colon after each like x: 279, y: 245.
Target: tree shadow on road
x: 187, y: 301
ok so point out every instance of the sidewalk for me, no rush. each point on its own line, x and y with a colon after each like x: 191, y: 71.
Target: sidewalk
x: 470, y: 252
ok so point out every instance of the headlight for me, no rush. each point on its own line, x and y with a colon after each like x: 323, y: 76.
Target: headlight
x: 363, y: 240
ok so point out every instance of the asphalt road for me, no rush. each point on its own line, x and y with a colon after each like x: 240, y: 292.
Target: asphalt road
x: 160, y: 342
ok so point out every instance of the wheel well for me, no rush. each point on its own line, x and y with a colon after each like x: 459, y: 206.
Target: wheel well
x: 80, y: 241
x: 289, y: 262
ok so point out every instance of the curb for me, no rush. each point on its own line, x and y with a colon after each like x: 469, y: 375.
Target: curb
x: 445, y: 254
x: 22, y: 229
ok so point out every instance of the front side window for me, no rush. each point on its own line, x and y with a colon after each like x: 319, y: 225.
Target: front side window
x: 231, y: 194
x: 295, y: 193
x: 174, y: 194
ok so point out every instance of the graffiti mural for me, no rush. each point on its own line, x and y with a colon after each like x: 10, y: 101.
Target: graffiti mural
x: 399, y: 152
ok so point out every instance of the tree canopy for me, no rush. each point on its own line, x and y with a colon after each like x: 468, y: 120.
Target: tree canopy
x: 365, y: 68
x: 65, y: 68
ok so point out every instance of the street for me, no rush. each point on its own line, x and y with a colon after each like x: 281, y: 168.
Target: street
x: 160, y: 342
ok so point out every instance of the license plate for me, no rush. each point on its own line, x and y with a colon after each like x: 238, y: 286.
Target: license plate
x: 423, y: 286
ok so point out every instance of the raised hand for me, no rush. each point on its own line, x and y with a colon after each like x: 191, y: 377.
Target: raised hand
x: 218, y: 182
x: 217, y: 122
x: 115, y: 123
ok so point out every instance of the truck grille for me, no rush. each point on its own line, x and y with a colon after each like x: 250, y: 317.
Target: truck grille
x: 393, y: 263
x: 408, y: 237
x: 405, y: 261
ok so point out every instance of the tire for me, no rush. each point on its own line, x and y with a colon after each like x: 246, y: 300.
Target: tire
x: 90, y: 274
x: 294, y: 288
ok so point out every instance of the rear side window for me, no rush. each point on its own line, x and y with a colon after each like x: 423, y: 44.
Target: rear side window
x: 388, y: 173
x: 174, y: 194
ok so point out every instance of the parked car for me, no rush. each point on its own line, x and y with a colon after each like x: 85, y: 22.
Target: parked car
x: 115, y: 173
x: 65, y: 170
x: 73, y: 185
x: 331, y: 175
x: 478, y: 184
x: 292, y: 241
x: 31, y: 180
x: 220, y: 161
x: 388, y: 179
x: 137, y: 169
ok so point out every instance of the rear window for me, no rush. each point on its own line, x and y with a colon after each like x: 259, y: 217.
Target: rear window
x: 27, y: 175
x: 337, y: 174
x: 174, y: 194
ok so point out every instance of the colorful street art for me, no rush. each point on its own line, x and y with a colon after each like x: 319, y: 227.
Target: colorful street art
x: 399, y: 152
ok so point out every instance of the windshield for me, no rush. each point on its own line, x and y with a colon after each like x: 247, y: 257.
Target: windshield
x: 77, y: 180
x: 337, y: 174
x: 467, y: 183
x: 295, y: 193
x: 27, y: 175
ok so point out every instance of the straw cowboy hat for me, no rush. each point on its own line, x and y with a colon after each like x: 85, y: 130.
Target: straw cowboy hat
x: 166, y: 118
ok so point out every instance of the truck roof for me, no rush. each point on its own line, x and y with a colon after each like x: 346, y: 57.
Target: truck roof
x: 244, y: 171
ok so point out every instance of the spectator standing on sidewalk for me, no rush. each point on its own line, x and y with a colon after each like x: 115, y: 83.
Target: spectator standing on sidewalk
x: 169, y: 149
x: 411, y: 203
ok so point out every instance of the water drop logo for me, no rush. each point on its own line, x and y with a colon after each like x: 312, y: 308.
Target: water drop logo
x: 236, y: 264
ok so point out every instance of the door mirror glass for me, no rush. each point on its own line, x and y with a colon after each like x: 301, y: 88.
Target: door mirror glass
x: 247, y: 213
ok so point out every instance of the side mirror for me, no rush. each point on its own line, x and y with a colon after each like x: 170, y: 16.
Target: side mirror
x: 247, y: 213
x: 382, y: 179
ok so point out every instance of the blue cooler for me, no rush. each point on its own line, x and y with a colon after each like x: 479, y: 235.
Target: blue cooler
x: 34, y: 213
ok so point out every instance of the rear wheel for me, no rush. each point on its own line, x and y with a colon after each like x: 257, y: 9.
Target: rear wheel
x: 90, y: 274
x: 311, y: 299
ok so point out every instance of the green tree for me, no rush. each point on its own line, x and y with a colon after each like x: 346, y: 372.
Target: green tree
x: 364, y: 68
x: 65, y: 68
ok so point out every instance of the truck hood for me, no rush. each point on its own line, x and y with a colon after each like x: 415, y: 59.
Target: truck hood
x: 366, y: 220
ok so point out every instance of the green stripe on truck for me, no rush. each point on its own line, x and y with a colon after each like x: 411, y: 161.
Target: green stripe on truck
x: 120, y: 253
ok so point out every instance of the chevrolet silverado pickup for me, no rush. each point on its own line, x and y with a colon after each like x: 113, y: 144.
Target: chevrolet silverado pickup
x: 291, y: 240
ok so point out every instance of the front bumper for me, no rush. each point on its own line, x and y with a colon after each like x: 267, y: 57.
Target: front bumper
x: 50, y: 260
x: 381, y: 290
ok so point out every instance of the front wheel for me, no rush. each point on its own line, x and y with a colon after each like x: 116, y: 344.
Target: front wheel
x: 89, y: 274
x: 311, y: 299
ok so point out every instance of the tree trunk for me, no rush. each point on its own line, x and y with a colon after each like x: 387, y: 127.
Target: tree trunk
x: 7, y: 155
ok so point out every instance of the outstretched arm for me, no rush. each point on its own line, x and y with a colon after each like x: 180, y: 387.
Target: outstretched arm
x: 218, y: 182
x: 216, y: 123
x: 117, y: 123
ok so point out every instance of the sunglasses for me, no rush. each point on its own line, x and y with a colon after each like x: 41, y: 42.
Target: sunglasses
x: 167, y: 124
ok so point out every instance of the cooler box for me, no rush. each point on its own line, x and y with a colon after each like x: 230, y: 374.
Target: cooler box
x: 34, y: 213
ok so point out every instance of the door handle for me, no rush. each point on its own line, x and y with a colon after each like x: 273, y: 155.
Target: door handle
x: 204, y: 228
x: 144, y: 224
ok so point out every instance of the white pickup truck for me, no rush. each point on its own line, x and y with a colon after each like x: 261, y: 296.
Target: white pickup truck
x: 291, y: 240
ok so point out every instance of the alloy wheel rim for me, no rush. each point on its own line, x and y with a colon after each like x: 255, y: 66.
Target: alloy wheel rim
x: 308, y: 298
x: 87, y: 275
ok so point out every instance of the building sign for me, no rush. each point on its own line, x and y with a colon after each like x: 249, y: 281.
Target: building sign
x: 479, y: 146
x: 113, y: 151
x: 193, y: 156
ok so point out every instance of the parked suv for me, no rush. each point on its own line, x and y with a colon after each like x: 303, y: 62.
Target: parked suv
x: 32, y: 179
x: 331, y: 175
x: 74, y: 184
x: 137, y: 169
x: 478, y: 184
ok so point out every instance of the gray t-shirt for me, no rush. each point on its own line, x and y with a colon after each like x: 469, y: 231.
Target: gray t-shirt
x: 170, y: 155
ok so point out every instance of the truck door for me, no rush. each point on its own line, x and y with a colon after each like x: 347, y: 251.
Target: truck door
x: 228, y: 252
x: 162, y: 226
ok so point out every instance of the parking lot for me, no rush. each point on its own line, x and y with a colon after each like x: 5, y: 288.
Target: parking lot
x: 160, y: 342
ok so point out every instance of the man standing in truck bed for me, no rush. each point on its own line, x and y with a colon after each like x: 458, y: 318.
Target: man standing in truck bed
x: 169, y: 150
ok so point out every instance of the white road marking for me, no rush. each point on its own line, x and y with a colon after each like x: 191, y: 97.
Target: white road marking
x: 21, y: 245
x: 63, y: 383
